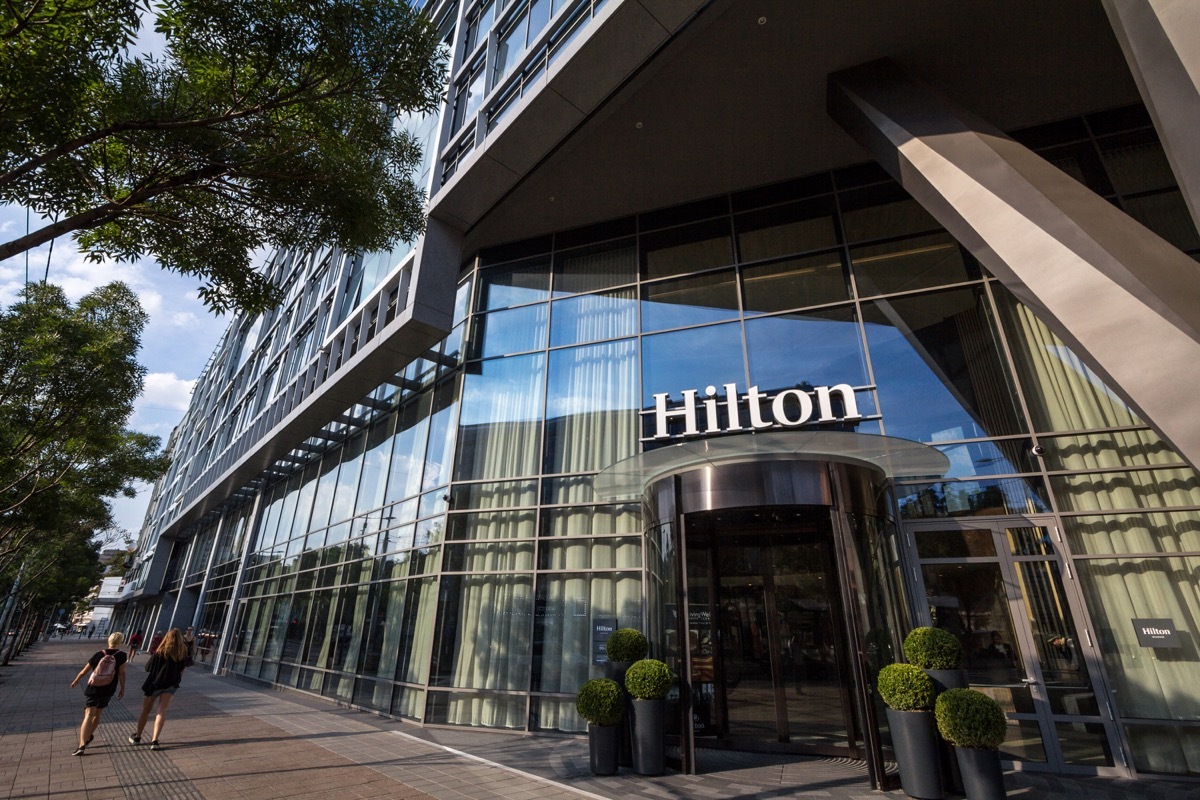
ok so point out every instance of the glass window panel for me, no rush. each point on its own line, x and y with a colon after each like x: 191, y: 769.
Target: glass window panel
x: 517, y: 330
x: 795, y: 283
x: 821, y: 348
x: 1103, y: 450
x: 1063, y: 394
x: 441, y: 425
x: 881, y: 212
x: 501, y: 419
x: 342, y: 505
x: 373, y: 480
x: 1032, y: 541
x: 510, y: 45
x: 555, y: 714
x: 783, y: 230
x: 690, y: 301
x: 514, y: 284
x: 938, y: 368
x: 920, y: 263
x: 1002, y: 457
x: 1148, y: 683
x: 394, y: 539
x: 973, y: 498
x: 1166, y: 532
x: 562, y: 643
x: 482, y: 637
x: 1050, y: 621
x: 592, y: 520
x: 1023, y: 741
x: 594, y: 317
x: 493, y: 525
x: 572, y: 489
x: 689, y: 248
x: 1165, y: 749
x: 408, y: 449
x: 1167, y: 215
x: 693, y: 359
x: 1160, y: 488
x: 539, y: 15
x: 498, y: 494
x: 488, y: 557
x: 591, y: 407
x: 416, y: 630
x: 955, y: 543
x: 478, y: 710
x: 304, y: 500
x: 597, y: 266
x: 971, y: 602
x: 1136, y: 166
x: 581, y: 553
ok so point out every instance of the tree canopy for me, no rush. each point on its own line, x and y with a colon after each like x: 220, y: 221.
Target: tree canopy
x: 68, y: 380
x: 261, y: 125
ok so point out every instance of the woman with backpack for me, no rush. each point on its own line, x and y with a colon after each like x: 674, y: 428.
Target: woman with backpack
x: 108, y: 678
x: 165, y: 670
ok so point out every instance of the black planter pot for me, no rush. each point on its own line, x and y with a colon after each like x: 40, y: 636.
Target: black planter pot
x: 646, y: 720
x: 615, y: 670
x: 981, y: 774
x: 944, y: 679
x: 916, y: 743
x: 603, y: 745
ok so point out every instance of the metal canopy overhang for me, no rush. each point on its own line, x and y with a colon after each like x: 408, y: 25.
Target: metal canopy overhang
x: 894, y: 457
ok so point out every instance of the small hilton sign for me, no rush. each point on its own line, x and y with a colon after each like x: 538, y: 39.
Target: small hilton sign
x: 1157, y: 633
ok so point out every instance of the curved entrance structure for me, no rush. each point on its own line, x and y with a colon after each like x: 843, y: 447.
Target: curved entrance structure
x: 775, y: 594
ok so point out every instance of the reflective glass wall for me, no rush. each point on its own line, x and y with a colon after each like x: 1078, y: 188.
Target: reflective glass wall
x: 442, y: 556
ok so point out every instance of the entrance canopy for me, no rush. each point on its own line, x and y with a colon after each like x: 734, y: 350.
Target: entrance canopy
x: 894, y: 457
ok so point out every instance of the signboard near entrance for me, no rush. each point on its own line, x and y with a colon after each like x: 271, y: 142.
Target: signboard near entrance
x: 602, y: 628
x: 1157, y: 633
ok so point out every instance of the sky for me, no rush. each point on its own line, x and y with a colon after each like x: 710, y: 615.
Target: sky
x: 179, y: 337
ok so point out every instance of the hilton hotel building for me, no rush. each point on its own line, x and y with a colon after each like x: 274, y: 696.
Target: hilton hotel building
x: 771, y: 328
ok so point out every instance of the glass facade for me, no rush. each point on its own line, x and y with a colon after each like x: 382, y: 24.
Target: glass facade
x: 439, y: 554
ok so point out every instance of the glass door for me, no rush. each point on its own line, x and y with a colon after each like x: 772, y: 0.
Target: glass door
x: 777, y: 656
x: 1004, y: 590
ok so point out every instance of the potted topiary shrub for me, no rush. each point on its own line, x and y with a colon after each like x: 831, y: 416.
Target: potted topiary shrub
x: 909, y: 695
x: 939, y: 652
x: 601, y: 702
x: 622, y: 648
x: 647, y: 682
x: 974, y: 723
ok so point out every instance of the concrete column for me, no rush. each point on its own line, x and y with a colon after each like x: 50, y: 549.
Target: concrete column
x: 1126, y: 301
x: 1161, y: 41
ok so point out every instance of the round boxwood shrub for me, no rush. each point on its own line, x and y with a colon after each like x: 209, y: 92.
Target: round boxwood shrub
x: 906, y: 688
x: 626, y: 644
x: 933, y: 648
x: 600, y: 701
x: 967, y: 718
x: 648, y: 679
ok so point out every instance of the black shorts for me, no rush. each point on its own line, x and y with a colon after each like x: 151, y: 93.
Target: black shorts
x: 97, y: 699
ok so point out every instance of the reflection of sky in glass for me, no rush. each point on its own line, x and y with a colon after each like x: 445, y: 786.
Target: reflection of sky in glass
x: 502, y: 287
x: 505, y: 390
x: 601, y: 377
x: 978, y: 459
x: 593, y: 317
x: 673, y: 362
x: 691, y: 301
x: 516, y: 331
x: 914, y: 400
x: 785, y: 351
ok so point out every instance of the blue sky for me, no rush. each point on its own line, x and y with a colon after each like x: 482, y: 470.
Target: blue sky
x: 176, y: 344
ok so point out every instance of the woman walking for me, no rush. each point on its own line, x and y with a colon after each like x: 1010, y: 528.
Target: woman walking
x: 107, y: 679
x: 165, y: 670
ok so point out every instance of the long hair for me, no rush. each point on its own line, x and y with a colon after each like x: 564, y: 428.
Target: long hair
x: 173, y: 646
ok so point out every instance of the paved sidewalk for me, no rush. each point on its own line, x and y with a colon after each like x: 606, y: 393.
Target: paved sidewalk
x: 227, y: 739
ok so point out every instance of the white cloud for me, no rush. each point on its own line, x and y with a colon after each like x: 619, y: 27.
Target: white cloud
x: 165, y: 390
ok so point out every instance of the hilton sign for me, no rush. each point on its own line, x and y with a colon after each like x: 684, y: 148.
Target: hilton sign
x: 754, y: 410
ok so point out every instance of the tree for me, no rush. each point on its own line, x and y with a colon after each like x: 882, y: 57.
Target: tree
x: 68, y: 380
x: 263, y: 125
